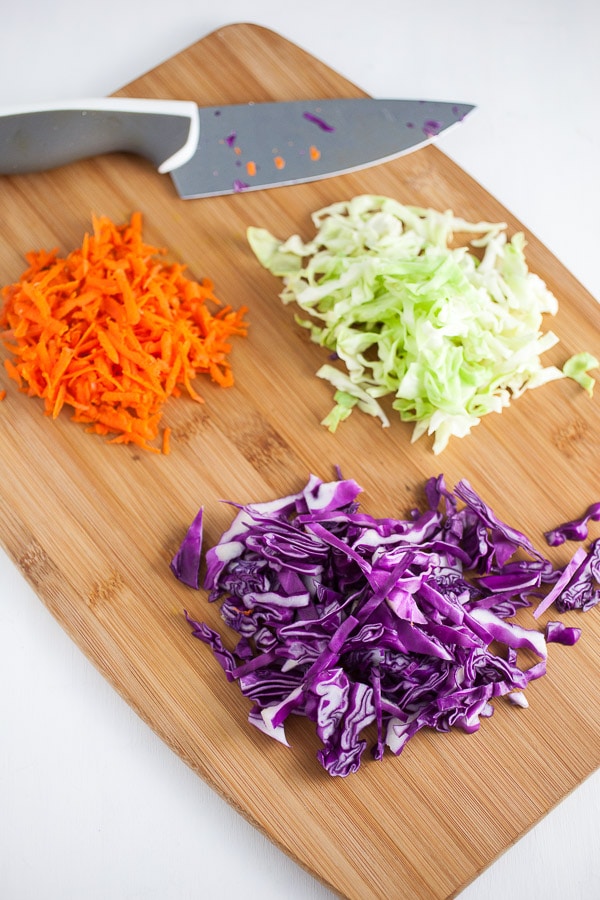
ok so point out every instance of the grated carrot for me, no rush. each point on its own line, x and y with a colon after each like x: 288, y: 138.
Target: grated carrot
x: 2, y: 395
x: 112, y: 331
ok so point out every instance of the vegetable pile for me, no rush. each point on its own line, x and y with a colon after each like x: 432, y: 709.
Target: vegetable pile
x: 354, y: 621
x: 113, y: 331
x: 411, y: 315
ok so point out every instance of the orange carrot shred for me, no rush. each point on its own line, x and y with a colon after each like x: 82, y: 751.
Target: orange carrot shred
x: 2, y: 395
x: 112, y: 331
x: 166, y: 443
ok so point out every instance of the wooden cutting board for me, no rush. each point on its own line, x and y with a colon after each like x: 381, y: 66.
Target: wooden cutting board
x: 93, y: 526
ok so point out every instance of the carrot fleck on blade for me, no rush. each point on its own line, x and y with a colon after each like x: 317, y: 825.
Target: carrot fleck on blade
x: 112, y: 331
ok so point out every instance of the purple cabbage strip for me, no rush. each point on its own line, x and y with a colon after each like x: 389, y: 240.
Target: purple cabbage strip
x: 558, y: 633
x: 353, y: 621
x: 185, y: 564
x: 576, y: 529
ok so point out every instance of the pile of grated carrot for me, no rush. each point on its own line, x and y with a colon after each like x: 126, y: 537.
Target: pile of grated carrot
x: 113, y: 331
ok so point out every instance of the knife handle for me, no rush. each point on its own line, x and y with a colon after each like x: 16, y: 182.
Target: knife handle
x: 37, y: 138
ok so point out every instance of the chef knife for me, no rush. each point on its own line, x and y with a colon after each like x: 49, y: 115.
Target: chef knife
x: 224, y: 149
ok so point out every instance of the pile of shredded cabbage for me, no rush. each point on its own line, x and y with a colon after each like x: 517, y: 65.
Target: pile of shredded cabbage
x: 398, y: 624
x: 450, y: 334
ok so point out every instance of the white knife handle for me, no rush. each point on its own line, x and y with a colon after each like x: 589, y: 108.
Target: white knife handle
x: 37, y: 138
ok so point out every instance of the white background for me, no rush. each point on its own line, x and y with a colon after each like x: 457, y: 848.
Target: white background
x: 92, y: 805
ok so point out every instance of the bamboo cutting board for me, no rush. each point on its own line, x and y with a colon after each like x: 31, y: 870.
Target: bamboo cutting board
x: 93, y: 526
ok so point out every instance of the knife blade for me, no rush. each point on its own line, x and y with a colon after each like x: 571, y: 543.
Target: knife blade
x: 227, y: 149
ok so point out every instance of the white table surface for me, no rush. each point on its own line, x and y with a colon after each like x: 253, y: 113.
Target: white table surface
x: 93, y: 805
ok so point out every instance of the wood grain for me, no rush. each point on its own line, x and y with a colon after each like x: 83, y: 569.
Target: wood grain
x: 93, y: 526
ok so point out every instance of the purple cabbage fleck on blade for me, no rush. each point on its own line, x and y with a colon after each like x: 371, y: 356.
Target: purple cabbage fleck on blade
x: 384, y: 626
x: 431, y: 128
x: 317, y: 120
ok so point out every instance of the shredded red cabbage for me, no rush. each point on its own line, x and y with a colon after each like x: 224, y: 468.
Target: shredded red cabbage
x: 582, y: 592
x: 558, y: 633
x: 185, y: 565
x: 578, y: 584
x: 354, y: 621
x: 576, y: 529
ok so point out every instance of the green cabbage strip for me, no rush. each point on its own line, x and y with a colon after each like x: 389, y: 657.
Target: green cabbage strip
x: 450, y: 334
x: 577, y: 368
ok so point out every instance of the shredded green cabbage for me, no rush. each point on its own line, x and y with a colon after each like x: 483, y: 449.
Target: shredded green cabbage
x: 450, y: 333
x: 577, y: 368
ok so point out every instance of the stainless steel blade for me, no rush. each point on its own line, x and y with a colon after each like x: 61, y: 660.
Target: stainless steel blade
x: 261, y: 145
